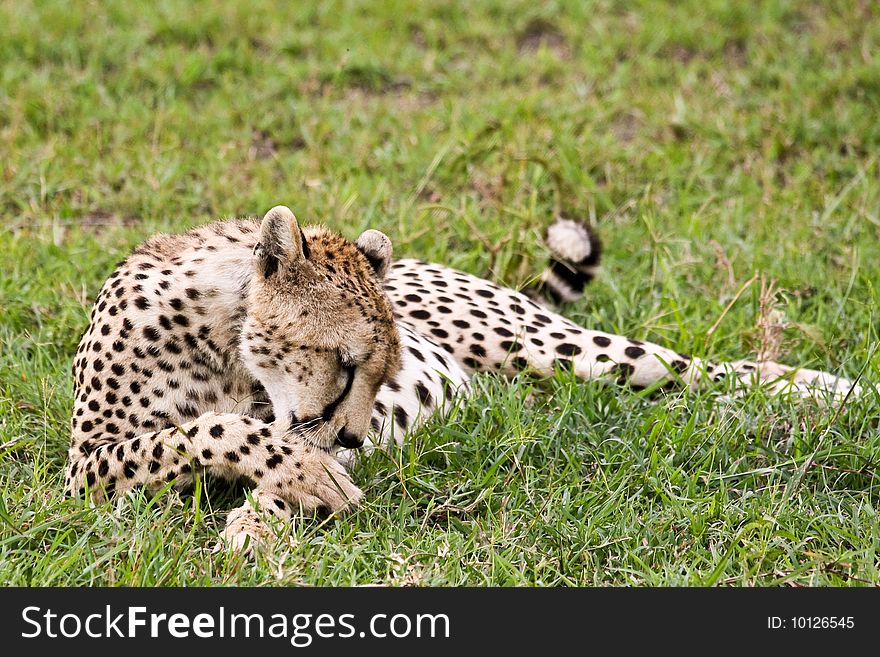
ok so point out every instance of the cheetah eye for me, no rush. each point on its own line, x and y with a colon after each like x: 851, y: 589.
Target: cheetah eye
x: 347, y: 368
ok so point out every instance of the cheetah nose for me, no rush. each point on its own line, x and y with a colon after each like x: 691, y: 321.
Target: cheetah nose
x: 347, y: 439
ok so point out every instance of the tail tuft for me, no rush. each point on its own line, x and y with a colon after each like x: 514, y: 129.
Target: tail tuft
x: 575, y: 251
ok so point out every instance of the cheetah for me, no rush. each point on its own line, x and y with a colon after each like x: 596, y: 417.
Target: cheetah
x: 262, y: 351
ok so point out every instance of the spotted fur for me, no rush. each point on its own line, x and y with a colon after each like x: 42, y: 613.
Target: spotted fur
x: 250, y: 320
x: 253, y: 349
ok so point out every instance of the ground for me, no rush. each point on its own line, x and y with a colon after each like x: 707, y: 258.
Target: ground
x: 708, y: 143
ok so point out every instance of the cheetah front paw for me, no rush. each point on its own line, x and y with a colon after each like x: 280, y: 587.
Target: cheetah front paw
x: 244, y: 531
x: 313, y: 479
x: 331, y: 486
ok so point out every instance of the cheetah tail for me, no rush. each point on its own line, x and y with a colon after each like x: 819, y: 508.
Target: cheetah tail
x: 575, y: 251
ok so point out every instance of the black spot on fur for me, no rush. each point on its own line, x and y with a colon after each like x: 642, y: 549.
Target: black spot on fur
x: 623, y: 371
x: 566, y: 349
x: 130, y: 469
x: 634, y: 352
x: 424, y: 395
x: 400, y: 417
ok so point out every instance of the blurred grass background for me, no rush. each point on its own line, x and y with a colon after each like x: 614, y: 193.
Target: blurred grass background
x: 708, y: 141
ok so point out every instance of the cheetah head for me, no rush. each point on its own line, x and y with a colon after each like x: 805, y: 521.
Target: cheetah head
x: 319, y: 333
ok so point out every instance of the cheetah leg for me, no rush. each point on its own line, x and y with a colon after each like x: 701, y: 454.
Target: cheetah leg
x: 288, y: 474
x: 595, y: 354
x: 490, y: 328
x: 246, y: 525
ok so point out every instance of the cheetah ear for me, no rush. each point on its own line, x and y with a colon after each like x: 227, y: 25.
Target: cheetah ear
x: 282, y: 243
x: 377, y: 249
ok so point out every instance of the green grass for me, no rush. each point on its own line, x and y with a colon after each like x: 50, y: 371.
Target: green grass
x: 707, y: 140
